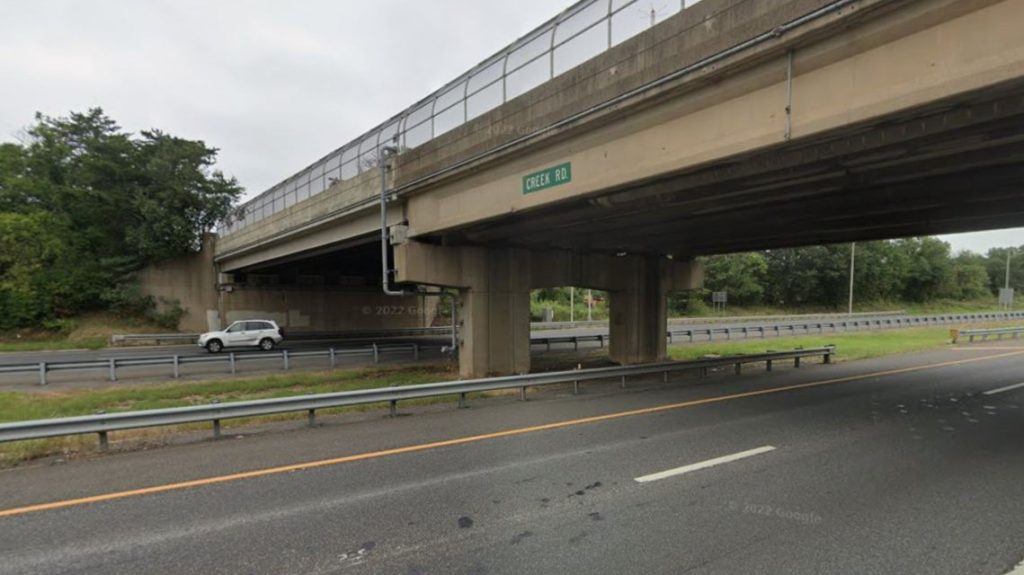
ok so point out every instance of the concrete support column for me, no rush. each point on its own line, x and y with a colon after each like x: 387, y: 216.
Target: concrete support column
x: 495, y: 313
x: 639, y: 317
x: 494, y: 301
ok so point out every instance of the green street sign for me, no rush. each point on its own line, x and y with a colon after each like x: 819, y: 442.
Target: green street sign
x: 547, y: 178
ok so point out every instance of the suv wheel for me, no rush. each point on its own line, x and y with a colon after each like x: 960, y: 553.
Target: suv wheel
x: 214, y: 346
x: 266, y: 344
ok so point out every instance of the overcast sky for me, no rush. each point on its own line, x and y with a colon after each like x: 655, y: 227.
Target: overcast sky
x: 273, y: 85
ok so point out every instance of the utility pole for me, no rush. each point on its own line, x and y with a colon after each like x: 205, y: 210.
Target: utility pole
x: 853, y: 255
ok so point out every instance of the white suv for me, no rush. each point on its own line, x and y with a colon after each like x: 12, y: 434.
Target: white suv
x: 262, y: 333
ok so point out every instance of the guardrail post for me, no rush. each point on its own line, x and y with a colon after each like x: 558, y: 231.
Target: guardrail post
x: 334, y: 361
x: 462, y: 400
x: 522, y: 393
x: 393, y: 408
x: 548, y: 341
x: 664, y: 376
x: 669, y: 337
x: 231, y: 359
x: 703, y: 372
x: 175, y: 361
x: 828, y: 357
x: 312, y: 417
x: 622, y: 382
x: 739, y: 368
x: 216, y: 429
x: 416, y: 352
x: 796, y: 361
x: 690, y: 333
x: 104, y: 441
x: 376, y: 353
x: 113, y: 369
x: 768, y: 365
x: 576, y: 387
x: 284, y: 358
x: 600, y: 340
x: 575, y: 343
x: 42, y: 373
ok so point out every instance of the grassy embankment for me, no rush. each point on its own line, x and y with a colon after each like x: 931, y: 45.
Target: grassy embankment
x: 17, y: 406
x: 91, y: 331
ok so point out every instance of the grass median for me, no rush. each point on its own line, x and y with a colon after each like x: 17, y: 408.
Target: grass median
x: 849, y: 346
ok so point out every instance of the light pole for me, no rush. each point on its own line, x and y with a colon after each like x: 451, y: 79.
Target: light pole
x: 572, y: 305
x: 1009, y: 252
x: 590, y: 305
x: 853, y: 255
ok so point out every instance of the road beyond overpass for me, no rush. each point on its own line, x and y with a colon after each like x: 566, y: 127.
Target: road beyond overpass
x: 732, y: 125
x: 906, y: 464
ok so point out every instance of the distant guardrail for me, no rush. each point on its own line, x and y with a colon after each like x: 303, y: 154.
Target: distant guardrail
x: 690, y: 335
x: 542, y: 325
x: 188, y: 338
x: 984, y: 334
x: 695, y: 334
x: 191, y: 338
x: 176, y: 362
x: 104, y: 423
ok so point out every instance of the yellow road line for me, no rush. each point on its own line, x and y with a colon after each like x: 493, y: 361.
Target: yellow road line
x: 476, y: 438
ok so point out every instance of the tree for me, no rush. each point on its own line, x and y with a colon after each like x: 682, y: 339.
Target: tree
x: 968, y: 278
x: 29, y: 247
x: 176, y: 196
x: 111, y: 201
x: 929, y: 270
x: 741, y: 275
x: 995, y: 264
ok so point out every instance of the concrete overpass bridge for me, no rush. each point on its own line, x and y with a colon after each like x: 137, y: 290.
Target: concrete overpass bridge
x: 593, y: 152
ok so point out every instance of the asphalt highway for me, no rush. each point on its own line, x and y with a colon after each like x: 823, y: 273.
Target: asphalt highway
x: 908, y: 464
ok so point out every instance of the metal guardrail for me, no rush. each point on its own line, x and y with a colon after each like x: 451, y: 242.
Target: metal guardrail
x: 191, y: 338
x: 695, y: 334
x: 176, y: 362
x: 104, y: 423
x: 543, y: 325
x: 999, y: 332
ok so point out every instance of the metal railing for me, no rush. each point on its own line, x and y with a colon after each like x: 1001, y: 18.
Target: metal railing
x: 695, y: 334
x: 176, y: 362
x: 580, y: 32
x: 191, y: 338
x: 104, y: 423
x: 542, y: 325
x: 984, y: 334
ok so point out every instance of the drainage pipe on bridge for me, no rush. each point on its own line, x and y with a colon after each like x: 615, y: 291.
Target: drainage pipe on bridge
x: 386, y: 153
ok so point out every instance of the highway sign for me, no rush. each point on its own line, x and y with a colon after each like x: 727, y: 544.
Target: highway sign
x: 547, y: 178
